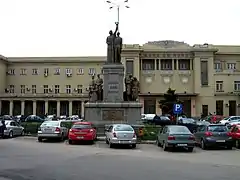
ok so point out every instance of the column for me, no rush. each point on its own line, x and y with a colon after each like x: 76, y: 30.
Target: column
x: 70, y: 108
x: 11, y: 108
x: 46, y: 107
x: 82, y: 110
x: 34, y: 107
x: 0, y: 107
x: 177, y: 61
x: 22, y: 107
x: 58, y: 108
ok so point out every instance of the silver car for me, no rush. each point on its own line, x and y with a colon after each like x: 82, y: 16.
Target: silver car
x: 121, y: 134
x: 52, y: 130
x: 13, y: 129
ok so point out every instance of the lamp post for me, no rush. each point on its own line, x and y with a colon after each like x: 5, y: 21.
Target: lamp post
x: 118, y: 5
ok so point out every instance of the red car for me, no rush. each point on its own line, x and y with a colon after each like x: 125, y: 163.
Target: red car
x: 82, y: 131
x: 235, y: 134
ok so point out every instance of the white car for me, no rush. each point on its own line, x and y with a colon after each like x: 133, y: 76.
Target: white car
x: 234, y: 122
x: 229, y: 119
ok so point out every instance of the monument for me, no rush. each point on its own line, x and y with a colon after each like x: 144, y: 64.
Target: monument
x: 108, y: 102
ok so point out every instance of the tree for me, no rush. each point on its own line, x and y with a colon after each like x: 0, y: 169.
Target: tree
x: 170, y: 98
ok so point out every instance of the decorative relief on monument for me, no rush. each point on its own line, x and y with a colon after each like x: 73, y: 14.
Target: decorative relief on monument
x: 168, y: 43
x: 113, y: 87
x: 113, y: 115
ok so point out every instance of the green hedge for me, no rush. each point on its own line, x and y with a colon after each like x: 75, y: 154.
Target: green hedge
x: 150, y: 132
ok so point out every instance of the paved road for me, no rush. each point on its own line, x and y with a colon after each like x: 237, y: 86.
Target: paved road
x: 29, y: 160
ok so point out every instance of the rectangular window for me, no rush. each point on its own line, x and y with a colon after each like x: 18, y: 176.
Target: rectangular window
x: 68, y: 71
x: 34, y: 71
x: 92, y: 71
x: 57, y: 89
x: 11, y: 72
x: 148, y: 64
x: 231, y: 66
x: 23, y: 89
x: 34, y: 89
x: 129, y: 67
x: 204, y: 73
x: 45, y: 89
x: 218, y: 66
x: 184, y: 64
x: 79, y: 89
x: 219, y: 107
x: 57, y: 71
x: 236, y: 85
x: 219, y: 86
x: 68, y: 89
x: 23, y: 71
x: 166, y: 64
x: 46, y: 70
x: 11, y: 88
x: 80, y: 71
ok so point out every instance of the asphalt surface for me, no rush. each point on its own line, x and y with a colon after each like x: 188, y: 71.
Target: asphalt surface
x: 22, y: 159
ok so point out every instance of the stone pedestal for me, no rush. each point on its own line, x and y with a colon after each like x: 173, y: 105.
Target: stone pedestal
x: 113, y: 109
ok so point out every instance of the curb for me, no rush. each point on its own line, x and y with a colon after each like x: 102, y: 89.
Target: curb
x: 98, y: 139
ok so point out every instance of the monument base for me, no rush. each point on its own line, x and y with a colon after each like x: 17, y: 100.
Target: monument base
x: 107, y: 112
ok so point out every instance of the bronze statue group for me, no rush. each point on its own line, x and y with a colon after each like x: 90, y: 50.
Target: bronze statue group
x: 114, y: 50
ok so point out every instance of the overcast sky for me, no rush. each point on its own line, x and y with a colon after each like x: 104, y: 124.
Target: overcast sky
x: 80, y: 27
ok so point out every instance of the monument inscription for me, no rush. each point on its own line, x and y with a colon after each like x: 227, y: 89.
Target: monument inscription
x: 113, y: 87
x: 113, y: 115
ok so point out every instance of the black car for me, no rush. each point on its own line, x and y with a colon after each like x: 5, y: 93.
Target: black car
x: 34, y: 118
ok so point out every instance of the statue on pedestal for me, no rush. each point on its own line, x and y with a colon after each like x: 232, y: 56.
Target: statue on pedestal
x: 99, y: 86
x: 92, y: 90
x: 128, y: 86
x: 114, y: 46
x: 135, y: 89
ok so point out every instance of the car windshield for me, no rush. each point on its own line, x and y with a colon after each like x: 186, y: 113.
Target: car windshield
x: 123, y: 128
x: 81, y: 126
x: 179, y: 129
x: 50, y: 123
x: 217, y: 128
x: 226, y: 118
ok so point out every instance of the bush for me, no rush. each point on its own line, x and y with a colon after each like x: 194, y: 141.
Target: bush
x: 150, y: 132
x: 31, y: 127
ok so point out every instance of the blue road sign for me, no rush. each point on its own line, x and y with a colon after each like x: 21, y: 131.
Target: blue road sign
x: 177, y: 108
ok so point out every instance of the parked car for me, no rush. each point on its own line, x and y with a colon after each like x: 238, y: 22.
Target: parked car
x: 121, y: 134
x: 82, y: 131
x: 213, y: 118
x: 229, y: 119
x: 175, y: 136
x: 189, y: 123
x: 234, y: 122
x: 235, y: 134
x: 213, y: 135
x: 13, y: 129
x: 52, y: 130
x: 34, y: 118
x: 161, y: 120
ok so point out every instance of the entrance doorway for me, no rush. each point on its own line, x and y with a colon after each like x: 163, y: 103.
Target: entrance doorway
x: 232, y: 108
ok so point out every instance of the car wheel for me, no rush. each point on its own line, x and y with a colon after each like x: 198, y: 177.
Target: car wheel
x: 110, y: 144
x: 10, y: 134
x: 203, y: 145
x: 190, y: 149
x: 165, y: 148
x: 70, y: 141
x: 237, y: 144
x: 40, y: 139
x: 23, y: 133
x: 158, y: 143
x: 229, y: 147
x: 134, y: 146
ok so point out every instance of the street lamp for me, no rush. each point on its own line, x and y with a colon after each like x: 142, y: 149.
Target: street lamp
x: 117, y: 5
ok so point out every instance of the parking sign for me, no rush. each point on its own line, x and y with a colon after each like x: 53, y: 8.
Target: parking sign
x: 177, y: 108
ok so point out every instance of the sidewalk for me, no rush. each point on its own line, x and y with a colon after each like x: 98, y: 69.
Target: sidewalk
x: 101, y: 138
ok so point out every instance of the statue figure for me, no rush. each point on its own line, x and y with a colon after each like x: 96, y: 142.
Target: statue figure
x: 111, y: 45
x: 135, y: 89
x: 118, y: 48
x: 128, y: 86
x: 92, y: 90
x: 99, y: 86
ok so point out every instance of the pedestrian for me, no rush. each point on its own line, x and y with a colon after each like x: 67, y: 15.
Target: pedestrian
x: 2, y: 127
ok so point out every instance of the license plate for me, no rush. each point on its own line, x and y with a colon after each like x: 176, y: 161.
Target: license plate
x: 182, y: 145
x: 220, y: 141
x: 80, y: 137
